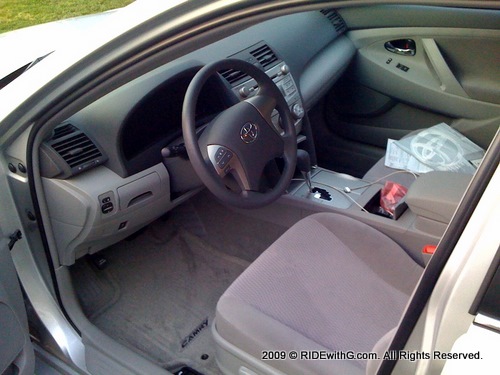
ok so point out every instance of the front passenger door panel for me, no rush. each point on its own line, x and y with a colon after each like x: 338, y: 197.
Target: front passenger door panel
x: 427, y: 79
x: 444, y: 68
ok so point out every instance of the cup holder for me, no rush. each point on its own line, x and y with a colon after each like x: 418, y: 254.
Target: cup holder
x: 373, y: 207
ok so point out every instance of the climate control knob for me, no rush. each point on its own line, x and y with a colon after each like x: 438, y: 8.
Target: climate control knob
x: 297, y: 111
x: 244, y: 92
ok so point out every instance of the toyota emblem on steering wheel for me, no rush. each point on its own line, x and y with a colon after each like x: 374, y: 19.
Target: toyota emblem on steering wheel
x: 249, y: 132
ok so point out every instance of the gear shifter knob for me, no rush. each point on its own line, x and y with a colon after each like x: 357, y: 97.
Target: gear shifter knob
x: 304, y: 166
x: 303, y: 161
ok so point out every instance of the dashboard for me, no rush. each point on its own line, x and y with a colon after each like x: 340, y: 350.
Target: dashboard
x: 105, y: 170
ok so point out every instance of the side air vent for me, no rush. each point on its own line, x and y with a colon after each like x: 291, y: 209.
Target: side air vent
x: 77, y: 150
x: 335, y: 19
x: 63, y: 130
x: 265, y: 55
x: 233, y: 76
x: 72, y: 151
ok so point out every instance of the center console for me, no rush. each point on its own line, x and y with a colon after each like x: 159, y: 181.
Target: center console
x: 423, y: 223
x: 331, y: 189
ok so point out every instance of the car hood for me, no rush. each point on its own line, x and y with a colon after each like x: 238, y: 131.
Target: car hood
x: 21, y: 47
x: 70, y: 51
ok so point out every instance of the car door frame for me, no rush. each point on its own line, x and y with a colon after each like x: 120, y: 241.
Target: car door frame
x: 16, y: 349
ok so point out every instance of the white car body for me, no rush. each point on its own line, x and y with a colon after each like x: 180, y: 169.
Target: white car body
x: 66, y: 41
x: 30, y: 43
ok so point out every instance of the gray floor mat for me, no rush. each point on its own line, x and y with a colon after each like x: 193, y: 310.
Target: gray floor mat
x: 230, y: 232
x: 96, y: 290
x: 164, y: 284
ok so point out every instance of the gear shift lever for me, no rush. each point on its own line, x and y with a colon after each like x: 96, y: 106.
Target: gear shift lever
x: 304, y: 166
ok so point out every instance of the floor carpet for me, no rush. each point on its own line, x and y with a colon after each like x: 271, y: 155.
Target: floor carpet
x: 159, y: 291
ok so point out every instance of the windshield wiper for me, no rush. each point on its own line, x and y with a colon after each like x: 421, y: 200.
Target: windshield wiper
x: 12, y: 76
x: 36, y: 61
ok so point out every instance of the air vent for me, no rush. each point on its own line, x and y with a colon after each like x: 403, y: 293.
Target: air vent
x: 233, y: 76
x: 77, y: 150
x: 335, y: 19
x: 63, y: 130
x: 265, y: 55
x: 72, y: 152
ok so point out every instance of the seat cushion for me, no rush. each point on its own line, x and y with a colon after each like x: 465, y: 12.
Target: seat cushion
x: 329, y: 283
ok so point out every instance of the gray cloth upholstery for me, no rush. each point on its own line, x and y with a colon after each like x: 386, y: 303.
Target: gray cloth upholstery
x: 329, y: 283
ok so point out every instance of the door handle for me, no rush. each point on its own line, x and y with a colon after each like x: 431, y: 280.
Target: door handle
x: 404, y: 47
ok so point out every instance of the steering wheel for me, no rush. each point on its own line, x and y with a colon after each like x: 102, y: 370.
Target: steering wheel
x: 241, y: 140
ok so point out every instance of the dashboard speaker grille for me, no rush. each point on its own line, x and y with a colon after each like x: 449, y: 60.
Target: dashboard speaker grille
x: 335, y: 19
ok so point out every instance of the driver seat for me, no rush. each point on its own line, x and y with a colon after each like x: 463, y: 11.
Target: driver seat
x: 329, y: 283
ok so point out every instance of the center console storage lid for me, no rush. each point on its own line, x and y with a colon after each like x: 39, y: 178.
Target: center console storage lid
x: 436, y: 195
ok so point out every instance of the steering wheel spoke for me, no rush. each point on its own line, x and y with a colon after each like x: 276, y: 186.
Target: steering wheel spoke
x: 265, y: 105
x: 225, y: 161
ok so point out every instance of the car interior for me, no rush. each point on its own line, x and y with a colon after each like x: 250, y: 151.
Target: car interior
x: 227, y: 202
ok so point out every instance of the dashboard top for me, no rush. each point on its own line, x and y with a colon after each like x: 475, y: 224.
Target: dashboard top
x: 132, y: 124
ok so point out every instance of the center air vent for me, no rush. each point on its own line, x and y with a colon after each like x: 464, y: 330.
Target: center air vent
x: 265, y: 56
x: 75, y: 152
x: 260, y: 55
x: 233, y: 76
x: 335, y: 19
